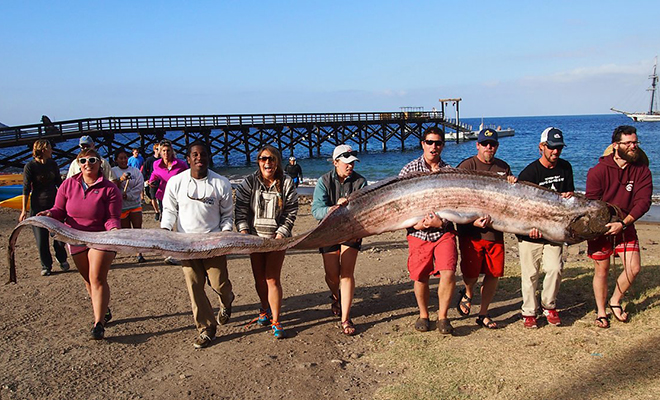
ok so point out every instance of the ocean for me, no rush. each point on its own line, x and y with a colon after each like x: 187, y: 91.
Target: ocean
x: 586, y: 138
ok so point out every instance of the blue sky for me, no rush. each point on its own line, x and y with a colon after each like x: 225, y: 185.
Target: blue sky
x: 81, y: 59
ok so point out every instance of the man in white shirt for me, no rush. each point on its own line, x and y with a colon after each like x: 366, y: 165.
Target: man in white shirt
x: 199, y: 201
x: 86, y: 142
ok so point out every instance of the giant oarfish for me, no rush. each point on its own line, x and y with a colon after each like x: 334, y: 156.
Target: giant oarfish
x: 457, y: 195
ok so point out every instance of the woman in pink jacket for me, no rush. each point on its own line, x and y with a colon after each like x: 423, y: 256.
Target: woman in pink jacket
x: 89, y: 202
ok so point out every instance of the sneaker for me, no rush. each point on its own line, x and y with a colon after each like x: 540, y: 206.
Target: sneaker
x: 97, y: 331
x: 203, y: 340
x: 529, y: 322
x: 264, y: 317
x: 141, y: 259
x: 225, y: 312
x: 278, y: 331
x: 64, y: 266
x: 45, y: 272
x: 172, y: 261
x: 157, y: 216
x: 552, y: 316
x: 108, y: 316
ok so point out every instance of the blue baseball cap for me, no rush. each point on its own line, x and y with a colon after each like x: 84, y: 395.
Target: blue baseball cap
x: 487, y: 135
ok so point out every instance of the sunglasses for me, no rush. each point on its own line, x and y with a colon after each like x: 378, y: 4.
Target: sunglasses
x: 489, y: 144
x: 347, y: 154
x: 554, y: 147
x: 434, y: 142
x: 266, y: 158
x: 165, y: 143
x: 84, y: 160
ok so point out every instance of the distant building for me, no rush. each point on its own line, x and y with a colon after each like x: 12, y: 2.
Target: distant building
x: 2, y: 125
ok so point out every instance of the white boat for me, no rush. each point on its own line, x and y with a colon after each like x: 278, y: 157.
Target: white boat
x: 653, y: 115
x: 473, y: 135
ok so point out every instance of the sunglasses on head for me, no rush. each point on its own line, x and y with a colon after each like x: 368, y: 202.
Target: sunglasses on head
x: 435, y: 142
x: 84, y: 160
x: 165, y: 143
x: 266, y: 158
x: 347, y: 154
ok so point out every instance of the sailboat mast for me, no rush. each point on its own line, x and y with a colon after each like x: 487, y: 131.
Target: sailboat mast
x: 654, y: 81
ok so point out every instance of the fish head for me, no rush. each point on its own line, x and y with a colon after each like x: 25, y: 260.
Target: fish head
x: 591, y: 224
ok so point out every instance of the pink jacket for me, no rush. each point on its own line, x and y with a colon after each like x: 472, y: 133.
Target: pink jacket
x: 94, y: 210
x: 162, y: 174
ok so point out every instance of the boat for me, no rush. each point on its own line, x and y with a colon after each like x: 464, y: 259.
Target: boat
x: 15, y: 203
x: 7, y: 192
x: 653, y: 115
x: 474, y: 134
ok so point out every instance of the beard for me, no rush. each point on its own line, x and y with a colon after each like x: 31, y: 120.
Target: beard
x: 630, y: 156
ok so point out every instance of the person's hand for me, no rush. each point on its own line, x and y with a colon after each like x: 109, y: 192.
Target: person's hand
x: 614, y: 228
x: 534, y: 233
x: 511, y: 179
x: 22, y: 216
x: 430, y: 220
x: 245, y: 232
x: 483, y: 222
x: 279, y: 236
x: 153, y: 184
x: 45, y: 213
x: 342, y: 202
x: 567, y: 195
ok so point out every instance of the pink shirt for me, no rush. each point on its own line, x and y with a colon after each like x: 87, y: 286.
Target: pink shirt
x: 162, y: 174
x: 96, y: 209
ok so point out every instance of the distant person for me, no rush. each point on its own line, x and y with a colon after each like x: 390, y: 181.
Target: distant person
x: 200, y: 201
x: 267, y: 206
x: 86, y: 142
x: 332, y: 190
x: 554, y: 173
x: 89, y: 202
x: 623, y: 180
x: 482, y: 247
x: 294, y: 170
x: 41, y: 177
x: 431, y: 242
x: 131, y: 185
x: 136, y: 160
x: 164, y: 169
x: 150, y: 190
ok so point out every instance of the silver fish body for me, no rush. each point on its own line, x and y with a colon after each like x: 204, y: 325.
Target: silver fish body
x: 457, y: 195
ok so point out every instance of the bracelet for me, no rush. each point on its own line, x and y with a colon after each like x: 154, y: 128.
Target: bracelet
x: 624, y: 226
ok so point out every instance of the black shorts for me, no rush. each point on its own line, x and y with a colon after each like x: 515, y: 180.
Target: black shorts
x: 335, y: 247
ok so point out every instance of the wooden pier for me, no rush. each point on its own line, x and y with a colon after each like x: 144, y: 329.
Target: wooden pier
x: 224, y: 134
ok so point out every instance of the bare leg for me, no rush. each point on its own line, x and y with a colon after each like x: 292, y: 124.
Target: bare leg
x: 274, y: 261
x: 488, y: 289
x: 347, y: 280
x: 602, y: 268
x: 446, y: 288
x: 258, y: 262
x: 422, y: 295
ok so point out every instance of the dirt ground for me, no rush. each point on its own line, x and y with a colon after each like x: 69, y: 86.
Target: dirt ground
x: 45, y: 321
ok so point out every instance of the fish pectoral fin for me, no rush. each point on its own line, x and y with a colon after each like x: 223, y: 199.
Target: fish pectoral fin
x: 458, y: 217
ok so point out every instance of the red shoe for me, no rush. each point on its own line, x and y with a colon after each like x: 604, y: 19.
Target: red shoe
x: 552, y: 316
x: 529, y: 322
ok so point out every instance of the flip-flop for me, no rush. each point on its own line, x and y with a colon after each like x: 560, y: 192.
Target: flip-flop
x: 465, y: 302
x: 618, y: 307
x: 602, y: 322
x: 481, y: 320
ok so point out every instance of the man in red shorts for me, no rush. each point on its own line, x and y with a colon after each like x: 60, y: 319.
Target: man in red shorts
x: 431, y: 242
x: 623, y: 180
x: 482, y: 248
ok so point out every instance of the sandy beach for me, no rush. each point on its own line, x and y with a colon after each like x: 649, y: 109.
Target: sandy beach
x: 45, y: 351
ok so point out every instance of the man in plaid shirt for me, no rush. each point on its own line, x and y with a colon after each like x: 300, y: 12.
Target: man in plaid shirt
x: 431, y: 242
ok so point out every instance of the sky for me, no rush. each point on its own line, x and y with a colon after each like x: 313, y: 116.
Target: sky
x: 82, y: 59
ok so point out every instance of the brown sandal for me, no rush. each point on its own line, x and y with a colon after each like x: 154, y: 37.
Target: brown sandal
x: 347, y: 328
x: 335, y: 306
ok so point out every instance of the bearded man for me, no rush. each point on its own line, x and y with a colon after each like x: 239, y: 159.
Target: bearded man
x: 621, y: 179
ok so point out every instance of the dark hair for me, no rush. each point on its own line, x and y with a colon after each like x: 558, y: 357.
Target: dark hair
x: 119, y: 151
x: 622, y: 130
x: 279, y: 172
x: 197, y: 143
x: 434, y: 130
x: 39, y: 146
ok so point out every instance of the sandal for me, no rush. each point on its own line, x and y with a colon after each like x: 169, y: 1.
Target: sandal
x: 603, y: 322
x: 444, y: 326
x: 335, y: 306
x: 464, y: 301
x: 481, y: 320
x: 347, y: 328
x: 422, y: 325
x: 621, y: 312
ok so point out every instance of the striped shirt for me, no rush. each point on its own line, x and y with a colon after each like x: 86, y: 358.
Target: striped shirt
x: 431, y: 234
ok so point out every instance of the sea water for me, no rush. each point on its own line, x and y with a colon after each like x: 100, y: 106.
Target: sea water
x: 586, y: 138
